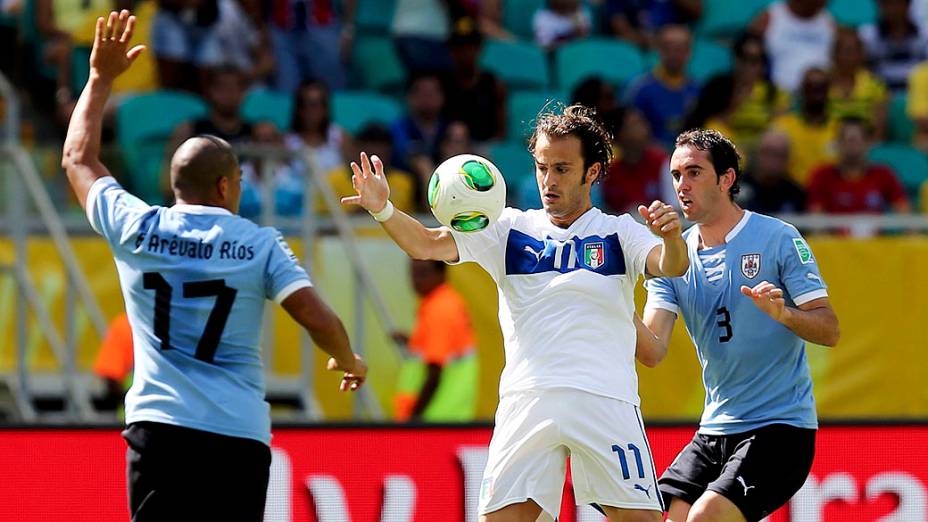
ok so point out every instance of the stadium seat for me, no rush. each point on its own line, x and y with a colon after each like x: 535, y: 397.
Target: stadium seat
x: 900, y: 126
x: 515, y: 162
x: 377, y: 65
x: 518, y: 15
x: 724, y: 18
x: 353, y: 110
x: 708, y: 59
x: 853, y: 12
x: 522, y: 108
x: 265, y: 105
x: 144, y: 124
x: 910, y: 165
x: 612, y: 60
x: 374, y: 16
x: 519, y: 65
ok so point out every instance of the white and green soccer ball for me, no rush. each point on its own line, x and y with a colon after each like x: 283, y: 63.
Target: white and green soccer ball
x: 467, y: 193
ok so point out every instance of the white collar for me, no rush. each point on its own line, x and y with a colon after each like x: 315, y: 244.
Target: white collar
x: 201, y: 209
x: 734, y: 232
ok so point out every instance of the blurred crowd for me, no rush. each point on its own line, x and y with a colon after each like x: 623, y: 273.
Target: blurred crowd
x: 829, y: 117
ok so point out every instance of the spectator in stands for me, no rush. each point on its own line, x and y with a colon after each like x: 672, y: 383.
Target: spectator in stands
x: 628, y: 20
x: 224, y: 90
x: 638, y: 166
x: 420, y: 31
x: 181, y: 32
x: 811, y: 130
x: 560, y: 22
x: 665, y: 94
x: 419, y: 131
x: 312, y: 127
x: 240, y: 38
x: 855, y: 91
x: 376, y: 140
x: 799, y: 34
x: 312, y: 40
x: 894, y: 44
x: 454, y: 140
x: 596, y: 93
x: 438, y: 382
x: 918, y: 105
x: 852, y: 184
x: 714, y: 106
x: 114, y: 362
x: 490, y: 20
x: 475, y: 96
x: 767, y: 187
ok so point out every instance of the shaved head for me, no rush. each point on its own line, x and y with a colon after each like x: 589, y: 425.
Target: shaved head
x: 197, y: 169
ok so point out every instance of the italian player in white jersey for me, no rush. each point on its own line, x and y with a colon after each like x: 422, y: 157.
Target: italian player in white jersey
x: 752, y: 297
x: 195, y: 278
x: 566, y: 276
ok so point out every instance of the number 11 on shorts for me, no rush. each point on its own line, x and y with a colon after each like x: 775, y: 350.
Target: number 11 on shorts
x: 623, y: 461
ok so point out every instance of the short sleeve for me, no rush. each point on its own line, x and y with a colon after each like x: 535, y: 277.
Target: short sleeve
x: 662, y: 295
x: 110, y: 209
x: 487, y: 247
x: 284, y: 275
x: 637, y: 242
x: 799, y: 269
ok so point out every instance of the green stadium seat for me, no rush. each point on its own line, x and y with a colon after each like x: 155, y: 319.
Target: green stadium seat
x: 374, y: 15
x: 612, y: 60
x: 910, y: 165
x: 518, y: 15
x: 520, y: 65
x: 144, y: 124
x: 725, y: 18
x: 708, y: 59
x: 377, y: 65
x: 853, y: 12
x: 522, y: 107
x: 900, y: 126
x: 262, y: 105
x: 516, y: 164
x: 353, y: 110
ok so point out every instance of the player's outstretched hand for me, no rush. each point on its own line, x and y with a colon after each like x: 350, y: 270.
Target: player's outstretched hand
x: 661, y: 218
x: 111, y: 55
x: 370, y: 182
x: 768, y: 298
x: 354, y: 377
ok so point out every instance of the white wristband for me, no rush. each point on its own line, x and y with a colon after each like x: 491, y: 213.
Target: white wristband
x: 384, y: 214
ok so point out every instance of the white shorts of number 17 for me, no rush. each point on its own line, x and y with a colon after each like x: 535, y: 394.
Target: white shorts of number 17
x: 610, y: 460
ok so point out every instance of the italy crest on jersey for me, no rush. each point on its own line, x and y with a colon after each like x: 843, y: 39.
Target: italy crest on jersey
x: 594, y: 255
x: 750, y: 265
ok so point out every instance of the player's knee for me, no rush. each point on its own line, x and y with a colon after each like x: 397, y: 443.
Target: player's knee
x: 714, y: 508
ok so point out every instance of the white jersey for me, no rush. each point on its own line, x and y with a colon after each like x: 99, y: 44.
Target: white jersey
x: 566, y: 298
x: 796, y: 44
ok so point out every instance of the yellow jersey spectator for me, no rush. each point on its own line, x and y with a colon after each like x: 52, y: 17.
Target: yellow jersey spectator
x: 918, y: 105
x: 811, y: 130
x: 855, y: 92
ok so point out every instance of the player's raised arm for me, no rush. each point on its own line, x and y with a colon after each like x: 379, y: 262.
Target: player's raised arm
x: 418, y: 241
x: 670, y: 259
x: 814, y: 321
x: 328, y: 332
x: 109, y: 58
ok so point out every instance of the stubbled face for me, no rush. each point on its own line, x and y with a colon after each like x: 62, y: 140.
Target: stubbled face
x: 225, y: 94
x: 699, y: 191
x: 563, y: 183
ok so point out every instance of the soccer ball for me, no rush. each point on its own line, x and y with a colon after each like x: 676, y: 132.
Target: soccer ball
x: 467, y: 193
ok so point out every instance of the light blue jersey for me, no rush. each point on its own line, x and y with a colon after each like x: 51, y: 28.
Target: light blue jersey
x: 195, y: 279
x: 754, y: 369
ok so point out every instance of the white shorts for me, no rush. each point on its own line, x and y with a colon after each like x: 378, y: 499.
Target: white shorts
x: 610, y: 459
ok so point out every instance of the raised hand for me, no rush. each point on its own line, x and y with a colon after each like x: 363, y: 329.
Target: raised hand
x: 370, y: 183
x: 110, y: 57
x: 661, y: 218
x: 354, y: 376
x: 768, y: 298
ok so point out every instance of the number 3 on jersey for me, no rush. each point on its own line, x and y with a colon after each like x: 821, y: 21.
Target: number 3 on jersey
x: 215, y: 323
x: 724, y: 322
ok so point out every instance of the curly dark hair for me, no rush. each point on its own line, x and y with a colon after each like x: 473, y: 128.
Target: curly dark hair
x: 580, y: 121
x: 722, y: 153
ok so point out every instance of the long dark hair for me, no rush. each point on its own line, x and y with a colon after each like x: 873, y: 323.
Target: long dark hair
x: 296, y: 123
